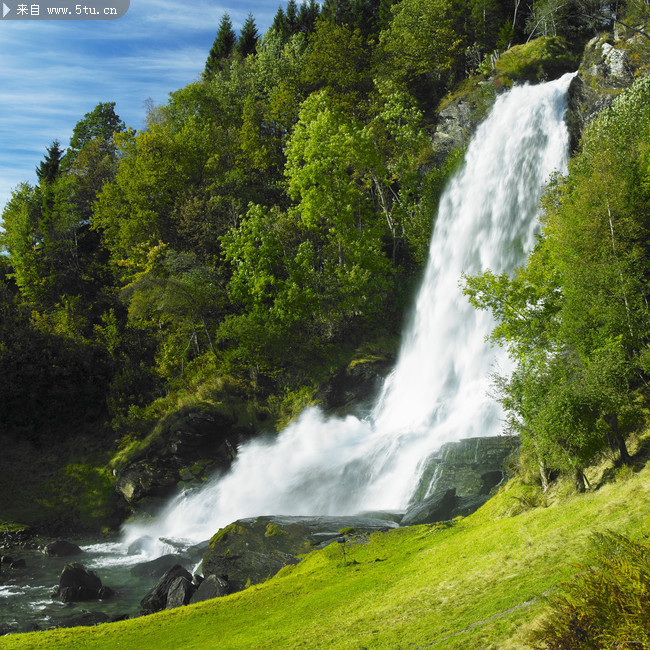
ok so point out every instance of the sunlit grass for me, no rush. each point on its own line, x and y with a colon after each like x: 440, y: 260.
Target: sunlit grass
x: 476, y: 584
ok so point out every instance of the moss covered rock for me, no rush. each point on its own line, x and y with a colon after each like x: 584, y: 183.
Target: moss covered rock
x: 250, y: 551
x: 185, y: 447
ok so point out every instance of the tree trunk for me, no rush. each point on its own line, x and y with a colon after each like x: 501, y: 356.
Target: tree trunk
x: 616, y: 440
x: 580, y: 480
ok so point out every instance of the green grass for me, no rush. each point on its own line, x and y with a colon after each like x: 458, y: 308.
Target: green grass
x: 477, y: 584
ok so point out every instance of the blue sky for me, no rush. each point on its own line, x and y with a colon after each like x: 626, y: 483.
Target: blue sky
x: 53, y: 72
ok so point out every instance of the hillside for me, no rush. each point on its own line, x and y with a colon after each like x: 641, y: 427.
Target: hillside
x: 479, y: 582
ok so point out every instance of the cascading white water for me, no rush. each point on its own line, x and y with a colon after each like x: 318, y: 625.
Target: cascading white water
x: 438, y: 389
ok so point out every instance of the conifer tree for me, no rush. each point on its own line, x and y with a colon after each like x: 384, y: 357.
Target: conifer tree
x: 279, y: 25
x: 48, y: 169
x: 222, y: 47
x: 292, y: 17
x: 307, y: 16
x: 247, y: 43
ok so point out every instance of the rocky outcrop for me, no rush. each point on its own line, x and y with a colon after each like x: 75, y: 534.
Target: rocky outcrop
x: 352, y: 387
x: 608, y: 65
x: 188, y: 445
x: 459, y: 478
x: 458, y: 120
x: 77, y: 583
x: 250, y: 551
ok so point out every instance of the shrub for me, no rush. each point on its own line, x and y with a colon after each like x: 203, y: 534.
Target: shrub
x: 606, y: 604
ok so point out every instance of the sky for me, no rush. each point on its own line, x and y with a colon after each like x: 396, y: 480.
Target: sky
x: 54, y: 72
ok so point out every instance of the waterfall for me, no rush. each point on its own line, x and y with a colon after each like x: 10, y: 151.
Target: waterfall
x: 438, y: 389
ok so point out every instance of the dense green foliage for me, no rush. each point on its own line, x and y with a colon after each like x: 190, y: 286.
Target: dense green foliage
x: 274, y: 215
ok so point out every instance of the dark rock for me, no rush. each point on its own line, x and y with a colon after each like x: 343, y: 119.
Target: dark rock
x: 156, y: 568
x: 61, y: 548
x: 472, y: 468
x: 77, y: 583
x: 21, y: 538
x: 250, y: 551
x: 191, y: 443
x: 156, y: 599
x: 468, y: 504
x: 211, y: 587
x: 18, y: 564
x: 438, y: 507
x: 180, y: 592
x: 351, y: 387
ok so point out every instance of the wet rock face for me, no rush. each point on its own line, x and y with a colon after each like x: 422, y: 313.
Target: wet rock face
x: 459, y: 478
x: 353, y: 386
x: 250, y: 551
x: 191, y: 444
x: 606, y: 69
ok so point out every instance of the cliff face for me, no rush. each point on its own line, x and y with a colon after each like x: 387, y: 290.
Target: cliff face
x: 610, y: 63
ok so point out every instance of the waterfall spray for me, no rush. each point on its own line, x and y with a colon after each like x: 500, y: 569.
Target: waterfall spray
x: 438, y: 389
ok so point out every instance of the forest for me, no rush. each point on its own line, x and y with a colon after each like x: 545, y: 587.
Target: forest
x: 273, y: 218
x: 269, y: 226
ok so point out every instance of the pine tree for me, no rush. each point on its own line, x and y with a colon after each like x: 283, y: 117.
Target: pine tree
x: 279, y: 25
x: 247, y: 43
x: 292, y: 17
x: 48, y: 169
x: 338, y: 11
x: 222, y: 47
x: 307, y: 16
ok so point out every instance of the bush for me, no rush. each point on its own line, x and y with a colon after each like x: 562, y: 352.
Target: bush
x: 607, y: 604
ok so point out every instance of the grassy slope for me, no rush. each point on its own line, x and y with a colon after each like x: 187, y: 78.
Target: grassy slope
x: 475, y: 585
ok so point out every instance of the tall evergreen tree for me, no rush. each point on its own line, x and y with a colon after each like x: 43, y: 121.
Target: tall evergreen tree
x: 279, y: 25
x: 247, y: 43
x: 222, y: 47
x: 292, y: 17
x: 307, y: 16
x: 339, y: 12
x: 49, y: 168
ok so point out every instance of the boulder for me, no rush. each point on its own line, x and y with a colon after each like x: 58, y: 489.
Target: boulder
x: 156, y: 599
x: 250, y: 551
x: 438, y: 507
x: 77, y: 583
x: 180, y: 592
x: 211, y: 587
x: 156, y: 568
x: 61, y: 548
